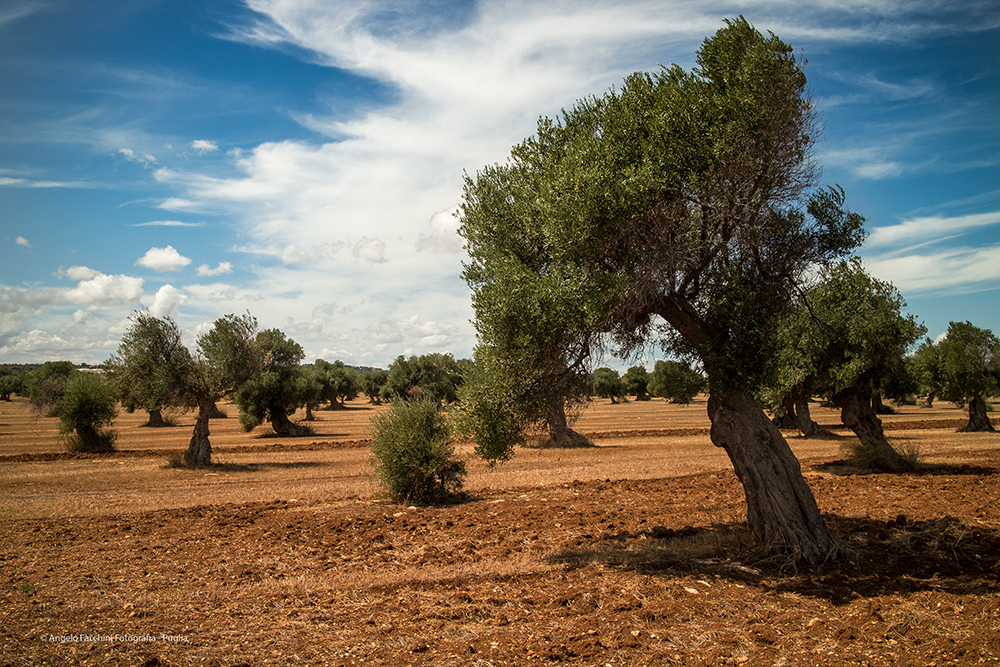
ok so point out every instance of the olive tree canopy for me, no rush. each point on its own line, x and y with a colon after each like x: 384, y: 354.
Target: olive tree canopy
x: 678, y: 210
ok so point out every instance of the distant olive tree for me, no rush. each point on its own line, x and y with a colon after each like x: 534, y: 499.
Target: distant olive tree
x: 11, y: 382
x: 87, y: 409
x: 45, y: 386
x: 675, y: 381
x: 846, y: 337
x: 276, y: 391
x: 636, y: 381
x: 606, y: 383
x: 227, y: 357
x: 969, y: 360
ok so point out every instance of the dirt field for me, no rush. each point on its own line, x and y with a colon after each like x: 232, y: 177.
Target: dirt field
x: 629, y: 553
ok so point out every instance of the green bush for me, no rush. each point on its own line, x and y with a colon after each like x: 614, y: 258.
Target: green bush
x: 86, y: 410
x: 412, y: 454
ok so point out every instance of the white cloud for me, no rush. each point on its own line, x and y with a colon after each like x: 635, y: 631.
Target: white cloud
x: 77, y: 273
x: 169, y: 223
x: 163, y: 259
x: 869, y: 162
x: 371, y: 250
x: 103, y: 289
x: 919, y: 230
x: 222, y: 268
x: 144, y: 159
x: 444, y: 236
x: 952, y: 271
x: 166, y: 302
x: 21, y: 241
x: 203, y: 146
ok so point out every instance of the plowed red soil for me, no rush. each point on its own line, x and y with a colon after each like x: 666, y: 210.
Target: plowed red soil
x: 629, y: 553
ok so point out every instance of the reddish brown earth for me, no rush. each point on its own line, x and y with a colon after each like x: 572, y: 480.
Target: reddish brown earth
x: 553, y: 560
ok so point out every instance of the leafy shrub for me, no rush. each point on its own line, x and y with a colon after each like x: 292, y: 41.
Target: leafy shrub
x: 412, y: 454
x: 86, y: 410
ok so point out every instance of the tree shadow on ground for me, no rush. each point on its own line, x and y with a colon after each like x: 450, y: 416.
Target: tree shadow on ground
x: 262, y: 465
x: 898, y: 556
x: 844, y: 467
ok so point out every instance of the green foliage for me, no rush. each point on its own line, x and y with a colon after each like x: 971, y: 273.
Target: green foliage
x: 11, y: 382
x: 229, y: 354
x: 274, y: 393
x: 46, y: 385
x: 86, y: 408
x: 679, y: 208
x: 437, y: 375
x: 636, y: 382
x: 847, y: 332
x: 372, y: 383
x: 969, y: 363
x: 606, y: 383
x: 675, y: 381
x: 151, y: 369
x: 412, y: 454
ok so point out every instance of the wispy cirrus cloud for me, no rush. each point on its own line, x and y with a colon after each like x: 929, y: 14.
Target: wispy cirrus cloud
x: 919, y: 230
x: 168, y: 223
x: 950, y: 271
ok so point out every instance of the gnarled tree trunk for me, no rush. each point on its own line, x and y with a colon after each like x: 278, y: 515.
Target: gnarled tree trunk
x: 857, y: 413
x: 282, y: 425
x: 781, y: 509
x: 979, y: 419
x: 560, y: 434
x: 788, y: 419
x: 155, y: 419
x: 804, y: 420
x: 199, y: 452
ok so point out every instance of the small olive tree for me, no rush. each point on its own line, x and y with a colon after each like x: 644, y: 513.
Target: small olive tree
x: 87, y: 409
x: 412, y: 453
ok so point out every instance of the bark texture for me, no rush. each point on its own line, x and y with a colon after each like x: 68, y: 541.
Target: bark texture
x: 857, y: 413
x: 781, y: 509
x: 560, y: 434
x: 284, y: 426
x: 156, y: 419
x: 804, y: 420
x: 979, y: 419
x: 787, y: 420
x: 199, y: 452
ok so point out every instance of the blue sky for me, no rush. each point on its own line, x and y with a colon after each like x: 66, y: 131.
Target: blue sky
x: 302, y: 159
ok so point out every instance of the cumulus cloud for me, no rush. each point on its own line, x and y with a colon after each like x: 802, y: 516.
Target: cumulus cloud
x: 144, y: 159
x: 371, y: 250
x: 77, y: 273
x: 222, y: 268
x: 166, y: 302
x: 163, y: 259
x: 102, y: 289
x: 444, y: 236
x: 204, y: 146
x: 20, y: 240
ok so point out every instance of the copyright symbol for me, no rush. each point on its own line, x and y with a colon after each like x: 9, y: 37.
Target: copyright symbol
x: 45, y: 638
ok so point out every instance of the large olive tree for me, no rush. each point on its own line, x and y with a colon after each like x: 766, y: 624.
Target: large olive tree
x: 846, y: 337
x: 680, y: 209
x: 227, y: 357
